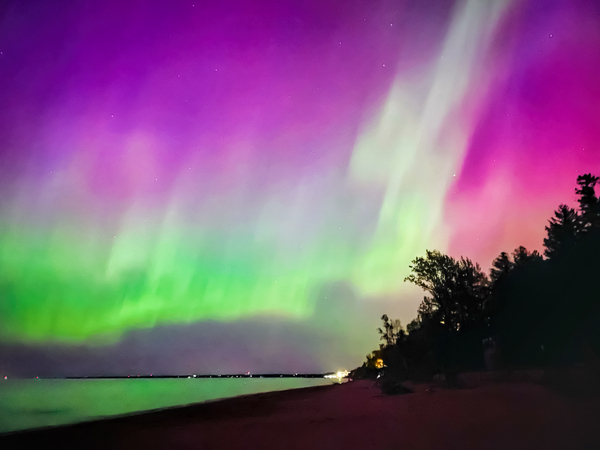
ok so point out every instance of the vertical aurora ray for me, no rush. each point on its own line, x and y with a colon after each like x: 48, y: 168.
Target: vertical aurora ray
x: 416, y: 147
x: 535, y: 133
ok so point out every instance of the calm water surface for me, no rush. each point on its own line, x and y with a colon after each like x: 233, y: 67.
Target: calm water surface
x: 39, y: 403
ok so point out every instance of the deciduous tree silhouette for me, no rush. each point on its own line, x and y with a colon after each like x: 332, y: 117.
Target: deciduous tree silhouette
x: 458, y: 289
x: 392, y: 330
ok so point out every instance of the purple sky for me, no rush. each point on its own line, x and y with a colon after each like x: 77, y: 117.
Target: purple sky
x: 181, y: 171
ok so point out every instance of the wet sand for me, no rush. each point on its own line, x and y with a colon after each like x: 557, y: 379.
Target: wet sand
x: 350, y: 416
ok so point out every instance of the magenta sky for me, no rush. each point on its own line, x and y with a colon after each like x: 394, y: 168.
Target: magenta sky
x: 540, y: 128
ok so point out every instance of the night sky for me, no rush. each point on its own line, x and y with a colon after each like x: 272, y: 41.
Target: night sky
x: 228, y: 186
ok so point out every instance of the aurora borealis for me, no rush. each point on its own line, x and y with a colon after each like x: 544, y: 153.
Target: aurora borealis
x: 264, y: 171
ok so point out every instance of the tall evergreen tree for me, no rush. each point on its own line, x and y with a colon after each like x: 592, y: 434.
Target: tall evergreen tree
x: 562, y: 231
x: 588, y: 202
x: 501, y: 267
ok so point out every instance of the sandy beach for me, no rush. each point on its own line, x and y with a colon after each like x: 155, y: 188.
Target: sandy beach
x: 353, y: 415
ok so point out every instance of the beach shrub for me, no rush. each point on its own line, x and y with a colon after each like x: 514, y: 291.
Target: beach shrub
x: 391, y: 385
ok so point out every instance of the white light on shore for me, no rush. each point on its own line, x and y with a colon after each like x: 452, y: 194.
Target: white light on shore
x: 339, y: 375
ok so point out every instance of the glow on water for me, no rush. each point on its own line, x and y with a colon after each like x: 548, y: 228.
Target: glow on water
x: 31, y: 403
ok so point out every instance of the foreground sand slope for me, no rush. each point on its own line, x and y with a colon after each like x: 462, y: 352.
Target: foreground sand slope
x: 354, y: 415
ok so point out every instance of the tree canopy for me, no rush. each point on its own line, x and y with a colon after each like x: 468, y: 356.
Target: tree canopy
x: 457, y: 288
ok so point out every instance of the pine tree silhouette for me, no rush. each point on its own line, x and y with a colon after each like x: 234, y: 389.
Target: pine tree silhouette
x: 562, y: 231
x: 588, y: 202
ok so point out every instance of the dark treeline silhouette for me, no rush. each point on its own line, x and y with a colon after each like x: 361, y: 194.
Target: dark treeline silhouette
x: 530, y: 311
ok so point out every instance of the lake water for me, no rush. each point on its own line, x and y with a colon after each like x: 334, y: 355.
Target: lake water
x: 28, y: 403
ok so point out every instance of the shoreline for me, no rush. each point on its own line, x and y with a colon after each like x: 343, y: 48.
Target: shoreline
x: 516, y: 415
